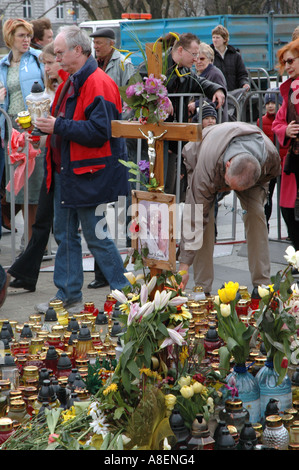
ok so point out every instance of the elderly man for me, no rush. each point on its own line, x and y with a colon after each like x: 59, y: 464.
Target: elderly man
x: 110, y: 60
x: 231, y: 156
x: 82, y: 160
x: 120, y: 69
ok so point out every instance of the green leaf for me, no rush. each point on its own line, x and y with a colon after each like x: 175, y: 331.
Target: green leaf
x: 147, y: 351
x: 118, y: 412
x: 277, y: 358
x: 225, y: 356
x: 126, y: 380
x: 162, y: 328
x: 132, y: 366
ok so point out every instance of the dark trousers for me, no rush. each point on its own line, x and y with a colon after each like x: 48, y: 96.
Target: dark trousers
x: 27, y: 266
x: 292, y: 225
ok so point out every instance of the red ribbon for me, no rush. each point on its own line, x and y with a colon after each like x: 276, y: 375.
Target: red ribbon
x: 18, y: 158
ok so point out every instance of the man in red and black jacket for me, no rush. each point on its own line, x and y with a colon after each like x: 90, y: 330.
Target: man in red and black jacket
x: 83, y: 162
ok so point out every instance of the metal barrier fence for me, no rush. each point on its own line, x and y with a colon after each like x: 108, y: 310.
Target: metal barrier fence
x: 249, y: 110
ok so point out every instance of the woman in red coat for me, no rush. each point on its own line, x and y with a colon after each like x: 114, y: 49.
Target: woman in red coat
x: 286, y: 128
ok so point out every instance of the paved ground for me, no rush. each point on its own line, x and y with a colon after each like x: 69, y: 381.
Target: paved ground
x: 230, y: 262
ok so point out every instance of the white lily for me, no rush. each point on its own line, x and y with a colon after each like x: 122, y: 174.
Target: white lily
x: 178, y: 300
x: 147, y: 309
x: 119, y: 296
x: 292, y: 256
x: 143, y: 294
x: 134, y: 313
x: 151, y: 284
x: 132, y: 278
x: 161, y: 299
x: 176, y: 335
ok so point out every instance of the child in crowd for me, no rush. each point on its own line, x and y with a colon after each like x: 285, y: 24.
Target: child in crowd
x: 272, y: 101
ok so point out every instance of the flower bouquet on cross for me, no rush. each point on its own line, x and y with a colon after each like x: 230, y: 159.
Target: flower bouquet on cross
x: 146, y: 98
x: 275, y: 320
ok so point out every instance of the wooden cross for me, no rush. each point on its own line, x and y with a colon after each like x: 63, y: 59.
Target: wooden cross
x: 162, y: 131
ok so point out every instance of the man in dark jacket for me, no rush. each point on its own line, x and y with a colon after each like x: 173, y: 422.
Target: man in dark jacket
x: 181, y: 79
x: 82, y: 160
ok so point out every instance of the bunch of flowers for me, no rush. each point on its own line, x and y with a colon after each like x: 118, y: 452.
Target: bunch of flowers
x: 235, y: 333
x: 275, y: 321
x: 147, y: 98
x: 191, y: 395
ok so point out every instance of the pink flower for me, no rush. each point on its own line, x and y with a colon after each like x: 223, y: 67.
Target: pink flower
x: 52, y: 438
x: 130, y: 91
x: 134, y: 313
x: 152, y: 84
x: 139, y: 88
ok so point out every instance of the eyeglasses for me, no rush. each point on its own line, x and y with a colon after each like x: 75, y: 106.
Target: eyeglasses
x: 201, y: 58
x: 194, y: 54
x: 23, y: 36
x: 289, y: 61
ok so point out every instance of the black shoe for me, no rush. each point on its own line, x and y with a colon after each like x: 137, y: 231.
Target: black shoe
x: 97, y: 284
x: 19, y: 284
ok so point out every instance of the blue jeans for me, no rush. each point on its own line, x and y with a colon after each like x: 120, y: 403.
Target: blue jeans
x: 68, y: 271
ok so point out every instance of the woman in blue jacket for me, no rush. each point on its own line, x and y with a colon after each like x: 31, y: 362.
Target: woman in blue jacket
x: 19, y: 69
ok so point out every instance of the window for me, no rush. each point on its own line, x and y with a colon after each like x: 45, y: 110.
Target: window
x: 59, y: 12
x: 27, y: 12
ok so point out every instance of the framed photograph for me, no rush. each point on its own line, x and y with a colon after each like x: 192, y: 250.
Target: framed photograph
x: 153, y: 227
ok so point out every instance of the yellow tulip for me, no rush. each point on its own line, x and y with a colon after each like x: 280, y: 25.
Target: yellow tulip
x: 170, y: 401
x: 197, y: 387
x: 187, y: 391
x: 184, y: 381
x: 228, y: 292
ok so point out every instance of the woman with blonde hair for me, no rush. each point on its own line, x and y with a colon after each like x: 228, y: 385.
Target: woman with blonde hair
x: 19, y: 69
x: 26, y: 267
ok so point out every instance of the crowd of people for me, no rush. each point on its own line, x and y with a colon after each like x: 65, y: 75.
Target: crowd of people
x: 78, y: 167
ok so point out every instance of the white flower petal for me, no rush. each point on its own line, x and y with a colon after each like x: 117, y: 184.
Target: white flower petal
x: 151, y: 284
x: 119, y: 296
x: 143, y: 294
x: 178, y: 300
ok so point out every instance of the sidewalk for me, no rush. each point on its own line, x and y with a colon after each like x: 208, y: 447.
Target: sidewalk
x: 230, y: 263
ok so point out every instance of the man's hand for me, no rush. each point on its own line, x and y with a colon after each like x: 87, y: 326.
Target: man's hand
x: 184, y: 271
x: 46, y: 125
x: 219, y: 96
